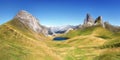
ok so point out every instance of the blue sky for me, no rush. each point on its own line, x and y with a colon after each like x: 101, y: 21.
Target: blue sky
x: 62, y: 12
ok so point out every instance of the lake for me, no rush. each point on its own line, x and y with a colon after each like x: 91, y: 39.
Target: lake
x: 60, y: 38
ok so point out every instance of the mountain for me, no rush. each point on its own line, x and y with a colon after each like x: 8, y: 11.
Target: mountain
x: 61, y: 29
x: 99, y: 21
x: 24, y: 38
x: 20, y: 39
x: 101, y: 39
x: 89, y: 21
x: 112, y: 27
x: 30, y: 21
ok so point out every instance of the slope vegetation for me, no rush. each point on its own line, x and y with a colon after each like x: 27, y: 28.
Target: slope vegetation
x: 91, y: 43
x: 17, y: 42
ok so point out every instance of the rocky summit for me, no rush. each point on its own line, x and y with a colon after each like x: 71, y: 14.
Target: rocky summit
x: 89, y: 21
x: 99, y: 21
x: 30, y: 21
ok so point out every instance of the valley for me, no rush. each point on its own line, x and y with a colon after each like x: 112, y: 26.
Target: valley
x: 21, y: 39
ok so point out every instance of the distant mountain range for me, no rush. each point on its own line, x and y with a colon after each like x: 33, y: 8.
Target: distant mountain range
x: 33, y: 23
x: 61, y: 29
x: 88, y: 22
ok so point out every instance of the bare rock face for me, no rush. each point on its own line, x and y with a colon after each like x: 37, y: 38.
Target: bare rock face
x: 112, y: 27
x: 99, y: 21
x: 89, y: 21
x: 29, y: 20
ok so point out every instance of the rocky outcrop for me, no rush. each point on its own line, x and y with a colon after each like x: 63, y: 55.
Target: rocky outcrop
x: 30, y: 21
x: 99, y: 21
x: 112, y: 27
x: 89, y: 21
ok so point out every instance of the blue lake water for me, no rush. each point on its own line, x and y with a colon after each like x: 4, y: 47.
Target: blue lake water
x: 60, y: 38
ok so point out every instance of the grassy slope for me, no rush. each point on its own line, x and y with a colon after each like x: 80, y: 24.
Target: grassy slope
x: 86, y: 44
x: 19, y: 43
x: 111, y: 49
x: 23, y: 29
x: 93, y: 43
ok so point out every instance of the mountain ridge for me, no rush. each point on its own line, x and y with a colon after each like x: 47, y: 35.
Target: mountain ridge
x: 30, y: 21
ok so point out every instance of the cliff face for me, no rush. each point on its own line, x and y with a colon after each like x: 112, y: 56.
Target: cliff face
x: 89, y: 21
x: 99, y: 21
x: 30, y: 21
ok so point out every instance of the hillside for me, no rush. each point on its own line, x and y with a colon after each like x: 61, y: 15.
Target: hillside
x: 95, y: 43
x: 24, y: 38
x: 17, y: 42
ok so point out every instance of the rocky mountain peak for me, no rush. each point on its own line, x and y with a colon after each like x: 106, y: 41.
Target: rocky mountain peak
x: 29, y: 20
x: 100, y: 17
x: 88, y: 17
x: 89, y: 21
x: 23, y: 15
x: 99, y: 21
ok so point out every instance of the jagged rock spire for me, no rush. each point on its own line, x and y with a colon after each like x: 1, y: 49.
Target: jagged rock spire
x: 99, y: 21
x: 89, y: 21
